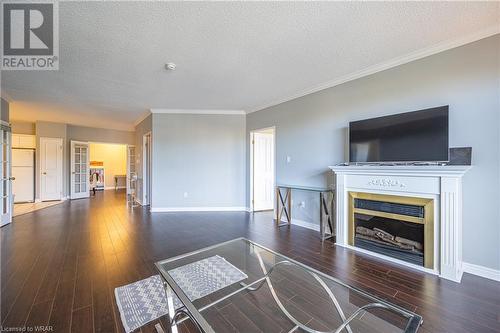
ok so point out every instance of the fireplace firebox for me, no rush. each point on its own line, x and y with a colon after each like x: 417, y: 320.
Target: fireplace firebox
x: 394, y: 226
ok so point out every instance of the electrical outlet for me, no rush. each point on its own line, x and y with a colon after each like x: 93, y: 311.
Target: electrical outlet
x: 302, y: 204
x: 288, y: 159
x: 185, y: 194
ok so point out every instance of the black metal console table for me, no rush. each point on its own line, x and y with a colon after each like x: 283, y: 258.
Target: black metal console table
x: 326, y: 207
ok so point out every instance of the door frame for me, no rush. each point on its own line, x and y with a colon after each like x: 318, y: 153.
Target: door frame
x: 71, y: 170
x: 147, y: 169
x: 7, y: 218
x: 251, y: 161
x: 60, y: 140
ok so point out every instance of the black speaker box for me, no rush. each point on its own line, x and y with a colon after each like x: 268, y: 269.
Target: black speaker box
x: 460, y: 156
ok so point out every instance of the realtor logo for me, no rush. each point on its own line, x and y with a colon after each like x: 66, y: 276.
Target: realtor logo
x: 30, y: 36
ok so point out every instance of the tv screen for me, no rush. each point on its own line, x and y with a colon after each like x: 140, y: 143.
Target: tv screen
x: 419, y: 136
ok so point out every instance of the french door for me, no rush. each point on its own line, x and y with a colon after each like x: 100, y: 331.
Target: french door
x: 80, y: 178
x: 131, y: 172
x: 6, y: 179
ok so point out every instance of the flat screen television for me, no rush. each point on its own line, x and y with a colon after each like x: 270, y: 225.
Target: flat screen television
x: 418, y: 136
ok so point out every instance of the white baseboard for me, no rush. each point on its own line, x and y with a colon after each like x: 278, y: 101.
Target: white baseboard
x: 198, y: 209
x: 305, y: 224
x: 486, y: 272
x: 62, y: 199
x: 112, y: 187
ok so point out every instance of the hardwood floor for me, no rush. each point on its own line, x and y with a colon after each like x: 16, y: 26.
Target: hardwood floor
x: 60, y: 265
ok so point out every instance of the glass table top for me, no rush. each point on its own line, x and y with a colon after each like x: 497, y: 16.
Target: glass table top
x: 277, y: 294
x: 305, y: 188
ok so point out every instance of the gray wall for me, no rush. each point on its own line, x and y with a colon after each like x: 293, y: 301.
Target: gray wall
x: 142, y: 128
x: 4, y: 110
x: 100, y: 135
x: 23, y: 127
x: 312, y: 130
x: 203, y: 155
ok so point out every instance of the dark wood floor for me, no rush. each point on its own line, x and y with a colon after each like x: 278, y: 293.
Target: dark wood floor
x: 60, y: 265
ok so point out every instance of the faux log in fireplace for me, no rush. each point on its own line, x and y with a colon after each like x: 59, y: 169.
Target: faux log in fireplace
x: 396, y: 226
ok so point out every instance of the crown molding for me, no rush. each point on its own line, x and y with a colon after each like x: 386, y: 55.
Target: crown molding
x: 141, y: 118
x: 434, y: 49
x: 198, y: 111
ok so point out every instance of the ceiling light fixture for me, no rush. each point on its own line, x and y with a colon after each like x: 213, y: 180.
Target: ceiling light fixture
x: 170, y: 66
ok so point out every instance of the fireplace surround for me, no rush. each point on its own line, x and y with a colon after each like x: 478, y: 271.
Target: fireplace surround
x: 439, y: 188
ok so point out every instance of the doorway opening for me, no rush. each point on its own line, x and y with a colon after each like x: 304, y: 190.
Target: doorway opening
x: 262, y: 168
x: 146, y: 169
x: 107, y: 166
x: 97, y: 166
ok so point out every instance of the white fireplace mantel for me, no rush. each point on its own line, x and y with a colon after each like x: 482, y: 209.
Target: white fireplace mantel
x: 441, y: 183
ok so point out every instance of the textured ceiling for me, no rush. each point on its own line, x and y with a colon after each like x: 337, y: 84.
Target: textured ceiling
x: 229, y: 55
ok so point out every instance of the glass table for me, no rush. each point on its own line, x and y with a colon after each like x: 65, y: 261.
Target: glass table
x: 278, y: 295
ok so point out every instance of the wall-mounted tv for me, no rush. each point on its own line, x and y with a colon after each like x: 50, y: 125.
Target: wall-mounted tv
x: 418, y: 136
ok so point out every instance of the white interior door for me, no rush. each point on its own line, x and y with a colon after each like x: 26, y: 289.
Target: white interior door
x: 6, y: 179
x: 80, y: 178
x: 263, y: 171
x: 146, y: 170
x: 51, y: 168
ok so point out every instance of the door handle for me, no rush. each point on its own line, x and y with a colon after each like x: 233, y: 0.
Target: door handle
x: 12, y: 178
x: 44, y: 173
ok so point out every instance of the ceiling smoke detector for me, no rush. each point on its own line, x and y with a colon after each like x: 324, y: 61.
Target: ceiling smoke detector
x: 170, y: 66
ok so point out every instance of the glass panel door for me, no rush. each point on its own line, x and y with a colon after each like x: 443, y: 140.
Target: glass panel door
x: 131, y: 172
x: 79, y: 170
x: 5, y: 177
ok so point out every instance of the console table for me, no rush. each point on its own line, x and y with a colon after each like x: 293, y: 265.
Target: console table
x: 326, y: 209
x: 117, y: 180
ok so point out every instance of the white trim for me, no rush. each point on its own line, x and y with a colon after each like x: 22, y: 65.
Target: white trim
x: 419, y: 54
x: 112, y: 188
x: 145, y: 199
x: 403, y: 170
x: 485, y: 272
x: 305, y: 224
x: 199, y: 209
x: 198, y: 111
x: 142, y: 118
